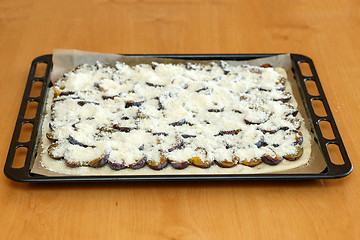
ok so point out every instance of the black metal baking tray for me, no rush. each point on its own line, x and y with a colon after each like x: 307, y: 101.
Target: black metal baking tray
x: 24, y: 174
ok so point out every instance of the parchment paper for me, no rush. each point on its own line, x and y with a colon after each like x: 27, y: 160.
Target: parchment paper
x: 66, y: 60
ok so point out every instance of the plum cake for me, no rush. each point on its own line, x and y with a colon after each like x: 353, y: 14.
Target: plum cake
x: 160, y: 116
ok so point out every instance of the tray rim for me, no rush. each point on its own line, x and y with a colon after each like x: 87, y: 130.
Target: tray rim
x: 332, y: 171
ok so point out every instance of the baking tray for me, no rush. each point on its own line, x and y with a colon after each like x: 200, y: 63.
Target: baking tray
x: 331, y: 170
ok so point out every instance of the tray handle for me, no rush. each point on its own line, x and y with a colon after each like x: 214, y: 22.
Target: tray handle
x: 11, y: 171
x: 334, y: 170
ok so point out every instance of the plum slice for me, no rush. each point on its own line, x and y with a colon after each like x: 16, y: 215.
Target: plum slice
x: 298, y: 137
x: 72, y: 164
x: 286, y: 96
x: 106, y: 129
x: 291, y: 110
x: 216, y: 110
x: 160, y: 105
x: 229, y: 132
x: 256, y: 116
x: 266, y: 65
x: 73, y: 141
x: 271, y: 160
x: 188, y: 136
x: 82, y: 103
x: 116, y: 165
x: 180, y: 123
x: 294, y: 121
x: 51, y: 136
x: 133, y: 104
x: 121, y: 165
x: 154, y: 85
x: 121, y: 129
x: 160, y: 133
x: 201, y: 89
x: 261, y: 142
x: 226, y: 163
x: 198, y: 162
x: 179, y: 165
x: 270, y: 131
x: 67, y: 93
x: 100, y: 161
x: 138, y: 164
x: 179, y: 144
x: 109, y: 97
x: 296, y: 155
x: 95, y: 163
x: 253, y: 162
x: 158, y: 165
x: 52, y: 151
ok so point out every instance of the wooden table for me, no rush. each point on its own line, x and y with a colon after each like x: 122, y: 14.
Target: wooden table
x: 327, y: 31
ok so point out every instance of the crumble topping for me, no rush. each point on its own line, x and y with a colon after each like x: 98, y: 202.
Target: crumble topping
x: 158, y: 114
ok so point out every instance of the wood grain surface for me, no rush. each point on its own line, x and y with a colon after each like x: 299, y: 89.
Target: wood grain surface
x: 326, y: 31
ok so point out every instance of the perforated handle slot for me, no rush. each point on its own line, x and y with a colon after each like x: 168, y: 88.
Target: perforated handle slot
x: 323, y: 123
x: 24, y: 140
